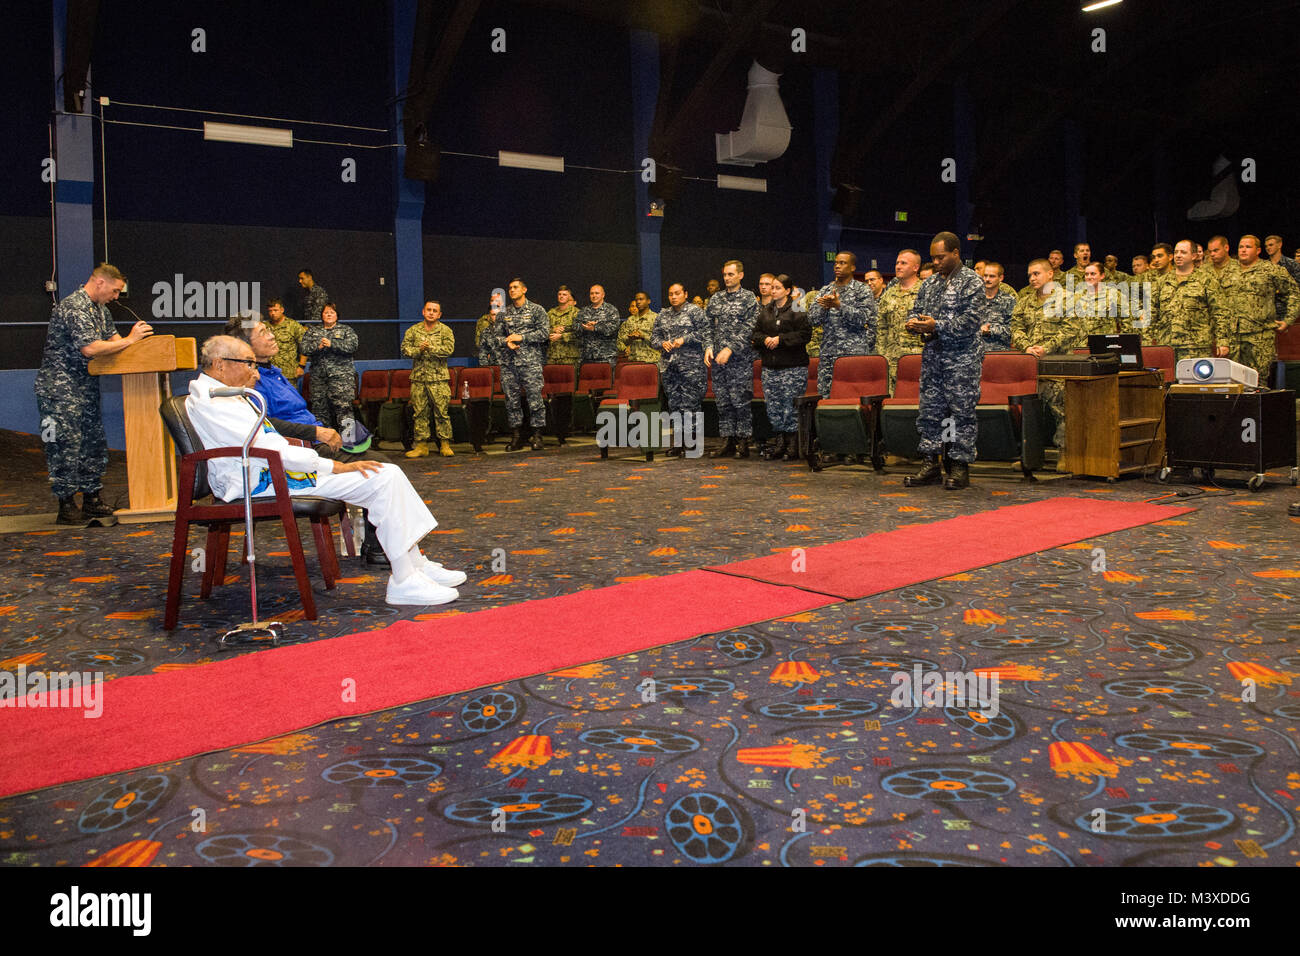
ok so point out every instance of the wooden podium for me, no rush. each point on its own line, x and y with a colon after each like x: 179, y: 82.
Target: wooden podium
x: 1114, y: 424
x: 150, y: 454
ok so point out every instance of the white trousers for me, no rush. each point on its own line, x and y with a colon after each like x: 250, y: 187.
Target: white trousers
x: 397, y: 511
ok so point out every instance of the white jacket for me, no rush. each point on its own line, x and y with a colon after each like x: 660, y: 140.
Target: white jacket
x: 222, y: 422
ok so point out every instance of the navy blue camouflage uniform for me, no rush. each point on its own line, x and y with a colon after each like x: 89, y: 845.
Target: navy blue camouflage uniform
x: 600, y: 344
x: 849, y: 329
x: 333, y: 373
x: 521, y: 369
x: 731, y: 319
x: 313, y: 301
x: 951, y: 362
x: 997, y: 313
x: 67, y: 396
x: 682, y: 370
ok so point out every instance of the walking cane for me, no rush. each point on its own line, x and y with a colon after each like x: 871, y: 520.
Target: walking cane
x: 249, y: 632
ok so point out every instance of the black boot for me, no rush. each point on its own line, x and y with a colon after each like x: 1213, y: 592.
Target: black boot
x: 372, y: 552
x: 792, y: 446
x: 958, y: 477
x: 536, y: 444
x: 93, y: 507
x: 929, y: 474
x: 742, y: 448
x: 674, y: 451
x: 726, y: 451
x: 69, y: 513
x: 516, y: 440
x: 779, y: 447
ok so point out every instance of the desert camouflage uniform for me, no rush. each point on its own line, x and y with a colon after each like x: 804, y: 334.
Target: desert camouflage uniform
x: 893, y: 340
x: 1192, y: 309
x: 638, y: 350
x: 485, y: 339
x: 1043, y: 321
x: 566, y: 350
x: 430, y: 380
x: 1251, y: 297
x: 288, y: 336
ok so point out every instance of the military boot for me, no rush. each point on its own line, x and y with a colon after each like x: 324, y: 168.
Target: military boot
x: 792, y: 446
x: 421, y: 450
x: 726, y: 451
x: 516, y: 440
x: 536, y: 443
x: 742, y: 448
x: 958, y: 477
x: 93, y: 507
x: 372, y: 552
x: 929, y: 474
x: 444, y: 449
x: 69, y: 513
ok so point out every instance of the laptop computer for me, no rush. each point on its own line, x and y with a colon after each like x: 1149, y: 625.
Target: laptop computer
x: 1127, y: 346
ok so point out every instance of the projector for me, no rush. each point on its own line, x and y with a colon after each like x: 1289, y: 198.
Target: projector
x: 1215, y: 371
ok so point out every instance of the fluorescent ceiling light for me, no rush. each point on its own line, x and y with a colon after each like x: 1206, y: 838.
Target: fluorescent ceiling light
x: 747, y: 183
x: 253, y: 135
x: 547, y: 164
x: 1099, y: 4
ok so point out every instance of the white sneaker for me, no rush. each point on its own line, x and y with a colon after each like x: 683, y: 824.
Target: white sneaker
x: 436, y: 573
x: 419, y: 591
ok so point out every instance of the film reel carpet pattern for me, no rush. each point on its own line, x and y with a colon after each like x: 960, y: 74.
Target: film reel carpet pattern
x: 1147, y: 710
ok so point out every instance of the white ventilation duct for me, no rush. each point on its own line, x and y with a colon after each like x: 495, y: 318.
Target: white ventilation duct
x: 764, y: 128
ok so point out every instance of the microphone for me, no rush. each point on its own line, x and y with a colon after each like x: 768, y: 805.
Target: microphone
x: 123, y: 305
x: 228, y: 392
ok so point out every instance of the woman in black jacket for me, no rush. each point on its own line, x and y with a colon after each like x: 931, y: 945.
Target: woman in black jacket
x: 779, y: 338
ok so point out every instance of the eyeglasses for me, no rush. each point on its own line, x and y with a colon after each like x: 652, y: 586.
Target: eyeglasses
x: 251, y: 363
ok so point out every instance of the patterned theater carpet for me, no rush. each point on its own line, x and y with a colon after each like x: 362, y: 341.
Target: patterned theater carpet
x: 1147, y: 710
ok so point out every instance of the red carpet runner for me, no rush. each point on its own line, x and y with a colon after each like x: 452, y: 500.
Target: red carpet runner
x: 161, y: 717
x: 860, y: 567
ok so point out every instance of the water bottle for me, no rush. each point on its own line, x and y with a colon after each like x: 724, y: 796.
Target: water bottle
x: 464, y: 391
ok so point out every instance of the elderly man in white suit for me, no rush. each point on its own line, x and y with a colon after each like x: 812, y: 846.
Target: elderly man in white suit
x: 397, y: 511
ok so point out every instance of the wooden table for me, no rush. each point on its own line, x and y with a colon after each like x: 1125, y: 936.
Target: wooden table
x: 1114, y: 424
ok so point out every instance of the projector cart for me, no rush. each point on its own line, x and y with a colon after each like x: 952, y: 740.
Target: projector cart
x: 1249, y: 431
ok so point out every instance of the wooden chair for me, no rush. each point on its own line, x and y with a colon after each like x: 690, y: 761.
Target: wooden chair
x: 218, y: 516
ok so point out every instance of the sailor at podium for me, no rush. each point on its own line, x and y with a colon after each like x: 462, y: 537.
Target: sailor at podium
x: 67, y: 396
